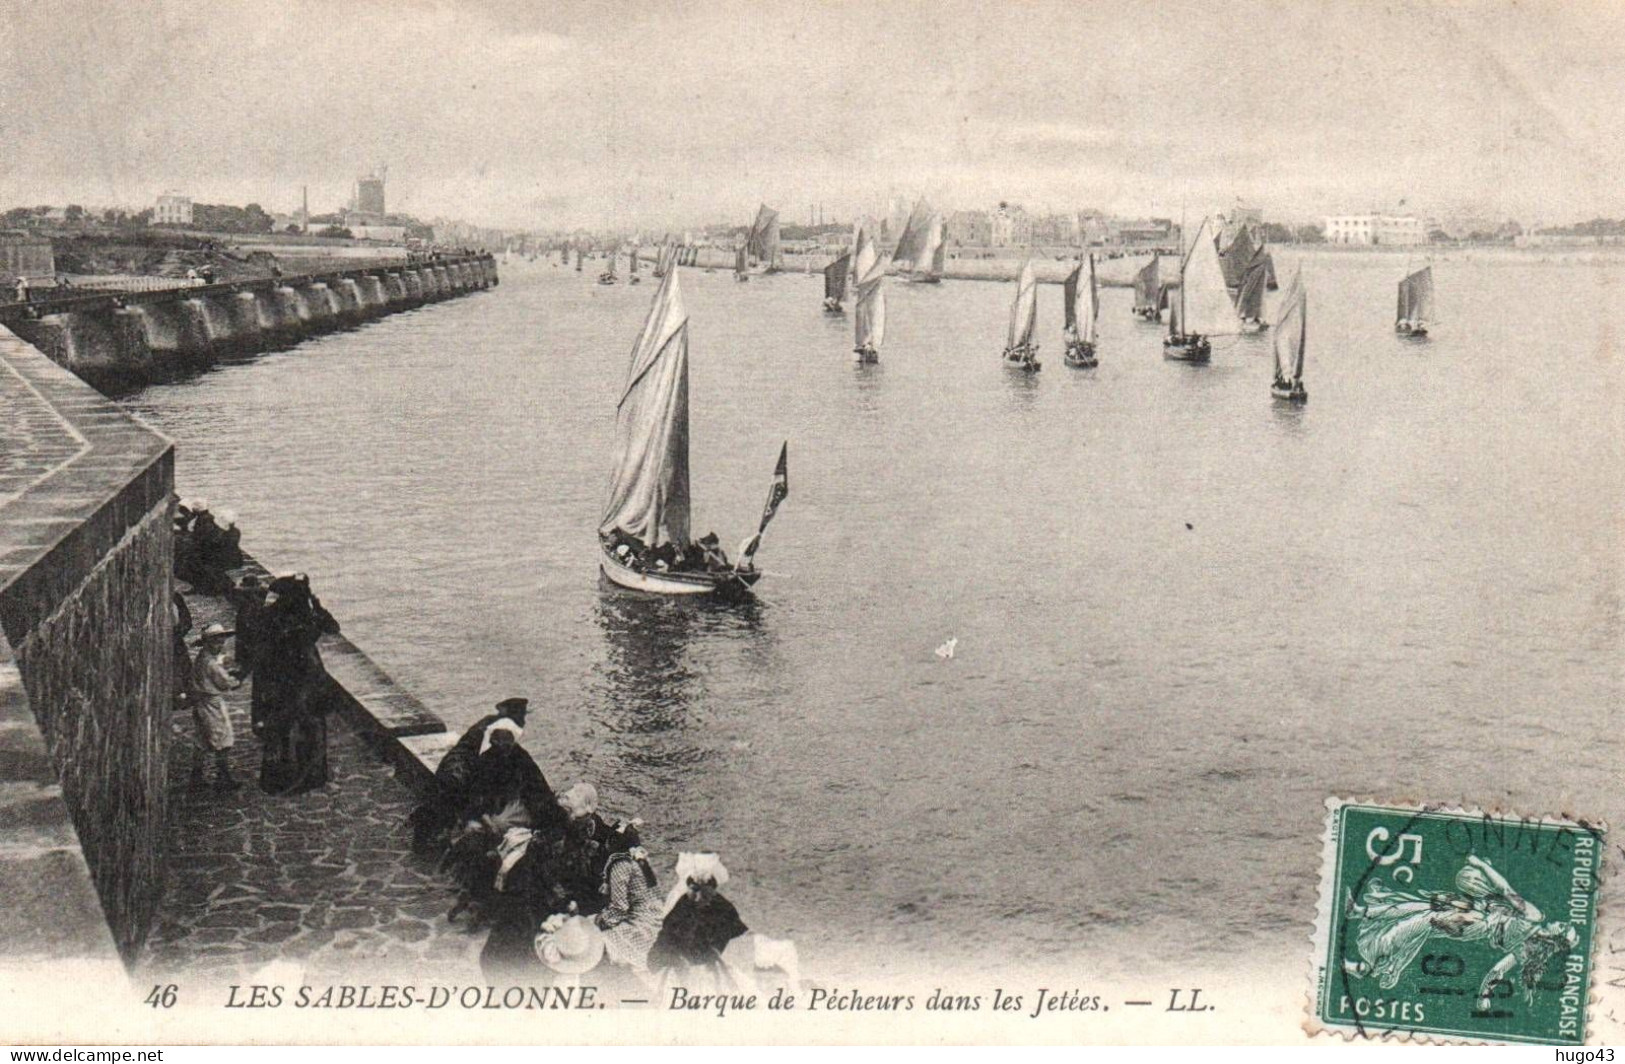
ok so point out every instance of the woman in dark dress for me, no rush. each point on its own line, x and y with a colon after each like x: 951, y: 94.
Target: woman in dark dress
x: 699, y: 924
x: 290, y: 684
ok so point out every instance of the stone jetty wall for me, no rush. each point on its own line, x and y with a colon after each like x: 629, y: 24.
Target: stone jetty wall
x: 121, y: 341
x: 86, y: 672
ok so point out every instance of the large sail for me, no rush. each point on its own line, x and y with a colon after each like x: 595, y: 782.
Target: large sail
x: 1024, y: 311
x: 1416, y: 296
x: 835, y: 277
x: 1205, y: 307
x: 869, y: 327
x: 764, y: 235
x: 1237, y: 258
x: 1250, y: 296
x: 1069, y: 296
x: 1147, y: 286
x: 1086, y: 305
x: 914, y: 248
x: 648, y: 495
x: 1291, y: 331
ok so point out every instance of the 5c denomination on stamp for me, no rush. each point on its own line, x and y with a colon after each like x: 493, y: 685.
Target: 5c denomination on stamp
x: 1448, y: 924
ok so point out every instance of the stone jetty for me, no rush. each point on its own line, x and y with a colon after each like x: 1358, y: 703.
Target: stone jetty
x: 118, y: 341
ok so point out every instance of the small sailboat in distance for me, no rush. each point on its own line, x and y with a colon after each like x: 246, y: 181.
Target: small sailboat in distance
x: 580, y: 255
x: 608, y: 276
x: 632, y: 266
x: 835, y: 275
x: 1147, y: 291
x: 741, y: 264
x: 763, y: 243
x: 1204, y: 307
x: 644, y: 538
x: 922, y: 248
x: 869, y: 325
x: 1082, y: 309
x: 1415, y: 312
x: 1291, y: 333
x: 1019, y: 349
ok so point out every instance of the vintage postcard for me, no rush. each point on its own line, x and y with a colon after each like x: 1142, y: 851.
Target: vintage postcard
x: 546, y: 521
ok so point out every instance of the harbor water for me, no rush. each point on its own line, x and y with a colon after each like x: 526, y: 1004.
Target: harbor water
x: 1185, y: 614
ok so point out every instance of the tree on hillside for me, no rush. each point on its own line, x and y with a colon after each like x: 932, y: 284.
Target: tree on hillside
x: 1311, y: 234
x: 73, y: 213
x: 256, y: 220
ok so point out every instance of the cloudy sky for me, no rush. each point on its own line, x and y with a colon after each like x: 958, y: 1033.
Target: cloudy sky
x: 654, y: 113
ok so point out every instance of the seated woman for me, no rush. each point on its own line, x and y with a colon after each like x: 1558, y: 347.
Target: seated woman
x: 585, y: 849
x: 697, y: 928
x: 633, y: 914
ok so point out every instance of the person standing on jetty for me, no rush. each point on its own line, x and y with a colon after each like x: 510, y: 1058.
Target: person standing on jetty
x: 289, y: 685
x: 209, y: 681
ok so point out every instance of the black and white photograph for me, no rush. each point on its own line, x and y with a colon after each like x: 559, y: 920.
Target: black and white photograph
x: 694, y: 522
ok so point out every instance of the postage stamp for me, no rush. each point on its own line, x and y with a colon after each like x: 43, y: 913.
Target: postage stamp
x: 1454, y: 925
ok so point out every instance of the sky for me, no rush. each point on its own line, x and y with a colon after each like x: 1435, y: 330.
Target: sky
x: 554, y: 115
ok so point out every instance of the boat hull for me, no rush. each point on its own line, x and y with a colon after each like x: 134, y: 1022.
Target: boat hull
x: 864, y: 356
x: 1081, y: 356
x: 1023, y: 358
x: 1289, y: 393
x: 684, y: 584
x: 1187, y: 349
x: 1412, y: 332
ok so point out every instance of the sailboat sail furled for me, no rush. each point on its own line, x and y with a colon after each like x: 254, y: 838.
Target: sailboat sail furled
x: 1416, y: 298
x: 1205, y: 306
x: 1291, y: 330
x: 1024, y: 310
x: 1147, y: 289
x: 648, y: 494
x: 869, y: 272
x: 764, y: 237
x: 835, y: 278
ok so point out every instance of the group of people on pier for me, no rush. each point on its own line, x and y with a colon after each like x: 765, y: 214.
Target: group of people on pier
x: 565, y: 891
x: 277, y: 627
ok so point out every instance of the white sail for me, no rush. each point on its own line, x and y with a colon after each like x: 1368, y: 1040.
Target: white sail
x: 1206, y: 308
x: 648, y: 494
x: 1086, y: 305
x: 1024, y: 311
x: 869, y: 269
x: 914, y: 247
x: 1291, y: 332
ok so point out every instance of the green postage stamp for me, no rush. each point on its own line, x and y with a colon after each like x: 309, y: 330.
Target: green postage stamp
x: 1453, y: 925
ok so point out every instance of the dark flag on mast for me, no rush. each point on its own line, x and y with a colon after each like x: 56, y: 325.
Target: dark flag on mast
x: 775, y: 495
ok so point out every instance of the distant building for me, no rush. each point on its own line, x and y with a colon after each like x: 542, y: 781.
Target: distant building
x: 972, y: 229
x: 1376, y: 229
x: 172, y: 209
x: 26, y: 255
x: 1011, y: 226
x: 390, y: 234
x: 369, y: 194
x: 1056, y: 230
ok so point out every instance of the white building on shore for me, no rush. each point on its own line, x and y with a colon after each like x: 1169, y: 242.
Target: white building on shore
x: 1376, y: 229
x: 172, y: 208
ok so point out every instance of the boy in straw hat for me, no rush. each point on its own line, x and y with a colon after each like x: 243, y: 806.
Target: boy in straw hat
x: 210, y: 680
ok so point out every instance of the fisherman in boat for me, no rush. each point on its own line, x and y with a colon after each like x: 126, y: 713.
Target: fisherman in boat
x: 831, y: 304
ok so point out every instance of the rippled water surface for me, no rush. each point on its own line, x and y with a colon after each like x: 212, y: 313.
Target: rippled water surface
x: 1185, y: 614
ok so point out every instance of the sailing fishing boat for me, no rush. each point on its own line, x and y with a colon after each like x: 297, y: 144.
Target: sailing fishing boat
x: 608, y: 276
x: 764, y: 238
x: 644, y: 538
x: 579, y: 256
x: 1203, y: 304
x: 1147, y: 291
x: 1019, y: 349
x: 922, y: 248
x: 632, y: 270
x: 741, y: 266
x: 835, y: 283
x: 1291, y: 332
x: 869, y: 326
x: 1415, y: 304
x: 1082, y: 309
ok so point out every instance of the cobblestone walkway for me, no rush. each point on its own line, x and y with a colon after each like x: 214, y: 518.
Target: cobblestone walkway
x: 324, y: 880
